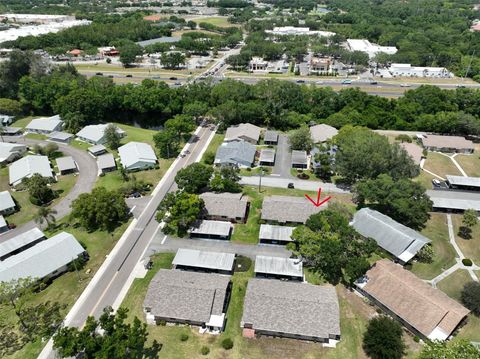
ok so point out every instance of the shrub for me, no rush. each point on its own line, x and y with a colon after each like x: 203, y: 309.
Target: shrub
x: 205, y: 350
x: 183, y: 337
x: 209, y: 158
x: 467, y: 262
x: 162, y: 323
x: 227, y: 343
x: 416, y: 339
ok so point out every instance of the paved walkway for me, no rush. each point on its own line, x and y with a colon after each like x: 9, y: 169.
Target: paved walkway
x: 458, y: 165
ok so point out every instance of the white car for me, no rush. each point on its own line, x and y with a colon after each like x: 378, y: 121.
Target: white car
x: 405, y: 85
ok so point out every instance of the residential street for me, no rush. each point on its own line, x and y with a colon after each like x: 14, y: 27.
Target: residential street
x: 280, y: 182
x: 87, y: 177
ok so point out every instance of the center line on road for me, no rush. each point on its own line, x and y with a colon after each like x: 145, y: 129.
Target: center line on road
x: 103, y: 294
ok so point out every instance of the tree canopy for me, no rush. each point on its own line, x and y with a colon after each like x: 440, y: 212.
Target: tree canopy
x: 383, y: 339
x: 194, y: 177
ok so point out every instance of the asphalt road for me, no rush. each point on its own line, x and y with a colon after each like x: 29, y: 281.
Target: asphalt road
x: 280, y: 182
x: 87, y: 176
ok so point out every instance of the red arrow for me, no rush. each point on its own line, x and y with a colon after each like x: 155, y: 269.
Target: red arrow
x: 318, y: 203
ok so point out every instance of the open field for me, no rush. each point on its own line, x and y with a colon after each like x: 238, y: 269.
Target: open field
x: 441, y: 165
x: 469, y: 247
x: 444, y: 254
x: 470, y: 164
x: 110, y: 69
x: 220, y: 21
x: 137, y: 134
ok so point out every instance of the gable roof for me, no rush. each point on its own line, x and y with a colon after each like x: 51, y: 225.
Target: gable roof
x: 236, y: 153
x: 95, y: 133
x: 292, y: 308
x: 322, y: 133
x: 278, y: 233
x: 394, y: 237
x: 20, y: 240
x: 456, y: 142
x: 59, y: 136
x: 279, y: 266
x: 7, y: 149
x: 192, y: 296
x: 134, y: 152
x: 106, y: 161
x: 299, y: 157
x: 243, y: 131
x: 428, y: 310
x: 28, y: 166
x: 66, y: 163
x: 45, y: 123
x: 204, y: 259
x: 6, y: 201
x: 97, y: 149
x: 231, y: 205
x: 289, y: 209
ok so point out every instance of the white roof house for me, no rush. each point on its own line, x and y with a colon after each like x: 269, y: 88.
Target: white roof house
x: 11, y: 151
x: 45, y: 124
x: 137, y: 155
x: 278, y: 267
x: 27, y: 166
x: 454, y: 200
x: 407, y: 70
x: 275, y: 234
x: 194, y: 259
x: 298, y: 31
x: 19, y: 242
x: 322, y: 133
x: 95, y: 134
x: 7, y: 204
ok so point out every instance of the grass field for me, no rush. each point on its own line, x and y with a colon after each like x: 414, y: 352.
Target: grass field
x: 470, y: 164
x: 425, y: 179
x: 444, y: 254
x: 441, y: 165
x: 469, y: 247
x: 453, y: 284
x: 24, y: 121
x: 213, y: 146
x: 220, y: 21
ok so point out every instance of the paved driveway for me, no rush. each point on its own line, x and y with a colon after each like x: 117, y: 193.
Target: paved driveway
x: 280, y: 182
x: 283, y: 158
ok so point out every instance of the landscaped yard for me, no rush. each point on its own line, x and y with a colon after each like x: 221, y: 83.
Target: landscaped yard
x: 470, y: 164
x: 444, y: 254
x: 441, y: 165
x: 255, y: 171
x: 453, y: 284
x: 469, y: 247
x: 213, y: 146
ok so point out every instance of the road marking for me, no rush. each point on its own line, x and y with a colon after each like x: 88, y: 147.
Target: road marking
x: 103, y: 294
x: 163, y: 240
x: 133, y: 209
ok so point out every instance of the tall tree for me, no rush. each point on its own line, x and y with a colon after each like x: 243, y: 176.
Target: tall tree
x: 40, y: 192
x: 194, y: 177
x: 471, y: 297
x: 226, y: 180
x: 453, y: 349
x: 383, y: 339
x: 112, y: 136
x: 129, y: 52
x: 45, y: 214
x: 301, y: 139
x: 167, y: 143
x: 469, y: 220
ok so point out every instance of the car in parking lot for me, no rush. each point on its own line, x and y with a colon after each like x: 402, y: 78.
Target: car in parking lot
x: 178, y: 83
x: 405, y: 85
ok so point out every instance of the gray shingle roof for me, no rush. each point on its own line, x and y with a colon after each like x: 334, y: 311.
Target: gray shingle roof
x: 231, y: 205
x: 42, y: 259
x: 278, y: 266
x: 6, y: 201
x: 66, y: 163
x: 464, y: 181
x: 134, y: 153
x: 204, y: 259
x: 239, y: 153
x: 185, y: 295
x: 245, y: 131
x: 456, y: 142
x: 299, y: 157
x: 219, y: 228
x: 106, y: 161
x: 457, y: 200
x: 322, y: 133
x: 45, y: 124
x: 292, y: 308
x: 267, y: 155
x: 27, y: 166
x: 278, y: 233
x: 21, y: 240
x: 289, y: 209
x: 394, y: 237
x: 270, y: 136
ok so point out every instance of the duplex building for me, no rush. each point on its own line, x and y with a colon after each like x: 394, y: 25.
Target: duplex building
x: 211, y: 230
x: 448, y: 144
x: 322, y: 132
x: 204, y: 261
x: 287, y: 209
x: 66, y: 165
x: 454, y: 201
x: 397, y: 239
x: 270, y: 137
x: 278, y: 268
x: 27, y: 166
x: 267, y: 157
x: 291, y: 310
x: 272, y: 234
x: 20, y: 243
x: 225, y: 206
x: 95, y: 134
x: 194, y: 298
x: 463, y: 183
x: 106, y: 163
x: 137, y: 156
x: 45, y: 125
x: 243, y: 131
x: 425, y: 311
x: 10, y: 152
x: 236, y: 153
x: 7, y: 204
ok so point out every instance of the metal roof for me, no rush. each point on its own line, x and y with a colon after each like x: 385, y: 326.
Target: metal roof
x: 7, y: 149
x: 106, y: 161
x: 464, y: 181
x: 66, y: 163
x: 60, y: 136
x: 279, y: 266
x: 204, y: 259
x: 218, y: 228
x: 239, y: 153
x: 270, y: 136
x: 299, y: 157
x: 231, y: 205
x: 291, y: 308
x: 3, y: 223
x: 6, y: 201
x: 42, y: 259
x: 394, y: 237
x: 134, y: 152
x: 289, y: 209
x: 456, y: 142
x: 45, y: 124
x: 95, y: 133
x: 322, y: 133
x: 19, y: 241
x: 456, y: 200
x: 164, y: 39
x: 267, y: 155
x: 28, y: 166
x: 277, y: 233
x: 97, y: 149
x: 243, y: 131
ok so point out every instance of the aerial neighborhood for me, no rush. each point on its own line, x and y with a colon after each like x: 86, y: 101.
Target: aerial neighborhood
x: 239, y: 179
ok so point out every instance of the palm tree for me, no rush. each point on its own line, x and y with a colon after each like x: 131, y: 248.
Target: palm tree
x: 47, y: 215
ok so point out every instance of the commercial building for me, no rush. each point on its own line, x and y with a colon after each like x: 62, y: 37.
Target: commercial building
x: 97, y: 150
x: 299, y: 159
x: 320, y: 64
x: 137, y: 156
x: 35, y: 18
x: 413, y: 150
x: 454, y: 201
x: 211, y: 230
x: 463, y: 183
x: 46, y: 259
x: 244, y: 131
x: 27, y: 166
x: 291, y: 310
x: 10, y: 152
x: 257, y: 64
x: 66, y: 165
x: 204, y: 261
x: 225, y: 206
x: 278, y: 268
x: 425, y: 311
x: 267, y: 157
x: 397, y: 239
x: 95, y: 134
x: 20, y: 243
x: 298, y: 31
x: 106, y: 163
x: 271, y: 234
x: 45, y: 125
x: 236, y: 153
x: 321, y: 133
x: 371, y: 49
x: 407, y: 70
x: 448, y: 144
x: 287, y: 209
x: 198, y: 299
x: 62, y: 137
x: 270, y: 137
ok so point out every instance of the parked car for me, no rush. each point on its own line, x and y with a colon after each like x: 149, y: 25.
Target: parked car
x: 300, y: 81
x: 436, y: 182
x: 373, y: 82
x: 178, y: 84
x: 99, y: 74
x: 291, y: 185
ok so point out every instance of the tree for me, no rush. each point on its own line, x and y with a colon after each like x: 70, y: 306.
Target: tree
x: 181, y: 125
x: 50, y: 149
x: 172, y: 60
x: 10, y: 107
x: 111, y: 336
x: 404, y: 138
x: 179, y: 211
x: 112, y: 137
x: 129, y: 52
x: 383, y: 339
x: 469, y: 220
x: 45, y: 214
x: 471, y: 297
x: 403, y: 200
x: 100, y: 209
x: 226, y: 180
x: 454, y: 349
x: 195, y: 109
x: 41, y: 320
x: 167, y: 143
x: 301, y: 139
x: 194, y: 177
x: 40, y: 192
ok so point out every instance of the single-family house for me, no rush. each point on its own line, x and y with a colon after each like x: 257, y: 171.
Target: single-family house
x: 448, y: 144
x: 299, y: 159
x: 97, y: 150
x: 454, y: 201
x: 10, y: 152
x: 270, y: 137
x: 413, y: 150
x: 46, y: 259
x: 45, y: 125
x: 7, y: 204
x: 206, y: 229
x: 463, y: 183
x: 287, y: 209
x: 137, y: 156
x: 272, y: 234
x: 243, y: 131
x: 236, y: 153
x: 193, y: 298
x: 267, y: 157
x: 225, y: 206
x: 106, y: 163
x: 27, y: 166
x: 322, y: 132
x: 422, y: 309
x: 204, y: 261
x: 278, y: 268
x: 20, y: 242
x: 62, y: 137
x: 95, y: 134
x: 397, y: 239
x: 66, y: 165
x: 291, y: 310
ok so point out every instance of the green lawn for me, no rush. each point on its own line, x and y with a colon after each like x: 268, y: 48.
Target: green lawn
x: 469, y: 247
x: 425, y: 179
x: 255, y: 171
x: 444, y: 254
x: 453, y: 284
x: 440, y: 164
x: 470, y: 164
x: 137, y: 134
x: 68, y: 287
x: 216, y: 20
x: 471, y: 331
x: 213, y: 146
x: 36, y: 136
x: 22, y: 122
